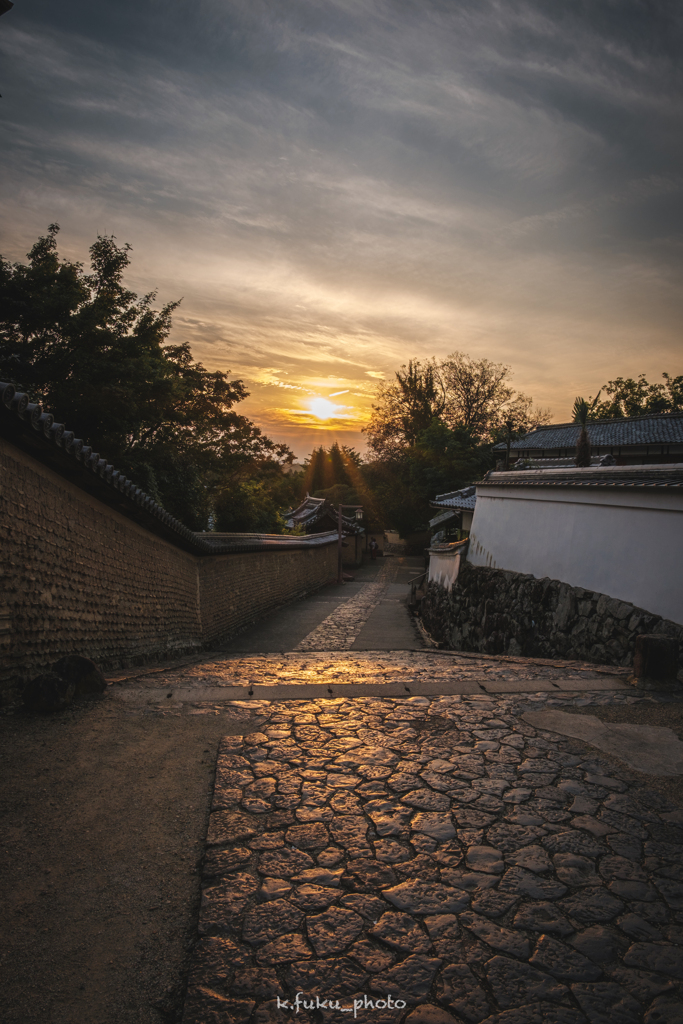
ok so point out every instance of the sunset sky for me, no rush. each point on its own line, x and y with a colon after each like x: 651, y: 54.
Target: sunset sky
x: 336, y: 186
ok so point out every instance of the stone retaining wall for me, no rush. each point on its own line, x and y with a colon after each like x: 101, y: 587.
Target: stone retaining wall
x: 492, y: 611
x: 79, y: 577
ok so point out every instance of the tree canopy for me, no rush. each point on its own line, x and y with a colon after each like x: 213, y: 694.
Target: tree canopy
x: 97, y: 356
x: 463, y: 393
x: 432, y: 430
x: 629, y: 397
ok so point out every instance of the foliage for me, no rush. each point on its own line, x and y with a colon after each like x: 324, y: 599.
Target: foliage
x: 463, y: 393
x: 247, y: 506
x: 328, y: 466
x: 97, y: 356
x: 432, y: 430
x: 629, y: 397
x: 441, y: 460
x: 583, y: 410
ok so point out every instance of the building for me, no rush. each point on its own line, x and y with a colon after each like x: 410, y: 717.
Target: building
x: 632, y: 441
x: 455, y: 518
x: 615, y: 530
x: 318, y: 515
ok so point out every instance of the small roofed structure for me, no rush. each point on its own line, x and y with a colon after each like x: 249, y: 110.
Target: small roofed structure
x: 631, y: 441
x: 455, y: 517
x: 316, y: 515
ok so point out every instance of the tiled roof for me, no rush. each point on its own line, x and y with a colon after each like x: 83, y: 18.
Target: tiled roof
x: 314, y: 510
x: 33, y: 430
x: 463, y: 499
x: 666, y: 428
x: 660, y: 477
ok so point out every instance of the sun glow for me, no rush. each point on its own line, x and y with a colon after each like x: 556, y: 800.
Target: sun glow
x: 323, y: 409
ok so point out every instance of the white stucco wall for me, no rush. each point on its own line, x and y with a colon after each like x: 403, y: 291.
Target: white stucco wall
x: 623, y: 542
x: 443, y: 569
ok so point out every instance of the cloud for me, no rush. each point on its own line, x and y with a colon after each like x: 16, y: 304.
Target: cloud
x: 334, y: 189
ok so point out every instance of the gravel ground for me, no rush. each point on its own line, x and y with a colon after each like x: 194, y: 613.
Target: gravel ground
x: 668, y: 715
x: 103, y: 820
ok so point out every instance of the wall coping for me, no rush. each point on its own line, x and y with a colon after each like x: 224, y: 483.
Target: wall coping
x: 28, y: 427
x: 662, y: 476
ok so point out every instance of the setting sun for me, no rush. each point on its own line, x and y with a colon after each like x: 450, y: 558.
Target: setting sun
x: 323, y: 409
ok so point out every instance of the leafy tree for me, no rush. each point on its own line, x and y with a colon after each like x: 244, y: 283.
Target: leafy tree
x: 478, y: 392
x: 432, y: 430
x: 629, y: 397
x: 441, y: 460
x: 473, y: 394
x: 97, y: 356
x: 404, y: 408
x: 247, y: 506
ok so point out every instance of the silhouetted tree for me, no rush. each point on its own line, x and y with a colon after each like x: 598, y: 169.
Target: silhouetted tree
x: 97, y: 356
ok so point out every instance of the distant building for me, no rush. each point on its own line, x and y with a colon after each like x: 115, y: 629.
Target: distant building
x: 632, y: 441
x: 318, y: 515
x: 455, y: 518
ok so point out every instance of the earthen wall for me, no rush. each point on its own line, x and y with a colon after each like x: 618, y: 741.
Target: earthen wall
x: 78, y: 577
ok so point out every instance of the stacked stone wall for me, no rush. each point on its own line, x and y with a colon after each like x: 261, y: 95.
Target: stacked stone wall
x: 492, y: 611
x: 79, y: 577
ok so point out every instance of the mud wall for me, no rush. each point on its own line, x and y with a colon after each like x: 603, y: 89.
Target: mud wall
x: 80, y: 577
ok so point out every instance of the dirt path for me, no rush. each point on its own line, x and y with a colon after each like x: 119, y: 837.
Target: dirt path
x: 103, y: 819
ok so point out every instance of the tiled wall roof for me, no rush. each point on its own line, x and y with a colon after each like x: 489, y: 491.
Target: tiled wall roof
x: 34, y: 430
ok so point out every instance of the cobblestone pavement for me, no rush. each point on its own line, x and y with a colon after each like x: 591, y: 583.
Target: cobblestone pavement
x: 339, y: 630
x: 437, y: 860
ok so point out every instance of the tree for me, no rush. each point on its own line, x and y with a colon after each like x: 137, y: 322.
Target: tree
x: 629, y: 397
x: 97, y: 357
x: 404, y: 408
x: 477, y: 391
x: 247, y: 506
x: 432, y: 430
x: 583, y: 447
x: 441, y: 460
x: 473, y: 394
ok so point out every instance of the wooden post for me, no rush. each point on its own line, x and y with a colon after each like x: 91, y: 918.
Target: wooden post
x: 509, y: 425
x: 655, y: 662
x: 340, y: 571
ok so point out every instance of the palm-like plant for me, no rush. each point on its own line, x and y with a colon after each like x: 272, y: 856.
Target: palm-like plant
x: 582, y: 410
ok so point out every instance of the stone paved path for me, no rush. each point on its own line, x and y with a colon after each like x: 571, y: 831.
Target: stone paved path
x: 342, y: 626
x: 368, y: 612
x: 434, y: 859
x: 399, y: 842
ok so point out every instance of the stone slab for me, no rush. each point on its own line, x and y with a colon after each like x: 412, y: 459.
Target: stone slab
x: 284, y: 691
x: 653, y: 750
x: 518, y: 686
x: 594, y: 683
x: 415, y: 879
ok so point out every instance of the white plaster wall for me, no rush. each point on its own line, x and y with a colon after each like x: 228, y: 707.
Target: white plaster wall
x: 443, y: 569
x: 624, y: 543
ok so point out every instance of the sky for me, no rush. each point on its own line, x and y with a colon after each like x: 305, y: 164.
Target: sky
x: 334, y: 187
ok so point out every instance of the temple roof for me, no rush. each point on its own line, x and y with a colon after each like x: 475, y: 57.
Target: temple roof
x: 661, y: 429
